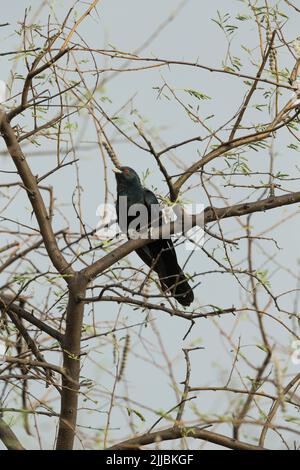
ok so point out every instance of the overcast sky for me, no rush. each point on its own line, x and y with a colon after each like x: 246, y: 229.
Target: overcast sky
x: 192, y: 36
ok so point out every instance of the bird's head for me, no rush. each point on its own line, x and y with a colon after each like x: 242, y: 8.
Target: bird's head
x: 126, y: 176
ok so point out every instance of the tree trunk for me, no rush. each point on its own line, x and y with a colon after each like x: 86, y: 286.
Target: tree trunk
x: 71, y: 364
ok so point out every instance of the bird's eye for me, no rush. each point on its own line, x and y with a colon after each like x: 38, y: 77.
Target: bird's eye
x: 126, y: 170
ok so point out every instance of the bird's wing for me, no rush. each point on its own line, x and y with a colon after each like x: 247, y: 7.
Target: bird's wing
x: 146, y: 252
x: 150, y: 197
x: 152, y: 204
x: 150, y: 252
x: 160, y: 255
x: 151, y: 200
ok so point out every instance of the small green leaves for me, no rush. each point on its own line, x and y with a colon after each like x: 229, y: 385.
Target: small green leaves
x: 137, y: 413
x: 237, y: 163
x: 262, y: 276
x: 260, y: 144
x: 145, y: 175
x: 293, y: 147
x: 262, y: 347
x: 222, y: 22
x: 105, y: 99
x: 240, y: 17
x: 197, y: 94
x: 281, y: 175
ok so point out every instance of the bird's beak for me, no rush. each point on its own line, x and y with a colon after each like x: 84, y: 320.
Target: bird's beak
x: 116, y: 170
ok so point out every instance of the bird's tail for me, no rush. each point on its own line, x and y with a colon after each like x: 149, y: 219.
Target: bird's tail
x: 178, y: 286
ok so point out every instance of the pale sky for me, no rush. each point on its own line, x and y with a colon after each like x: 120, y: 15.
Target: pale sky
x: 193, y: 36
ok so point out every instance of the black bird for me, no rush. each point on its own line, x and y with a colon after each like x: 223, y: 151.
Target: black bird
x: 160, y: 254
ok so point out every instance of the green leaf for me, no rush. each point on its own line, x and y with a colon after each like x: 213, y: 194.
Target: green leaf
x: 137, y: 413
x: 197, y: 94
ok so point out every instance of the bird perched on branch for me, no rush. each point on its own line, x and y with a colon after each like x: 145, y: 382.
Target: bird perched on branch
x: 159, y: 254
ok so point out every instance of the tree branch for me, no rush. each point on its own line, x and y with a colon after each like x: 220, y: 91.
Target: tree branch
x: 177, y: 433
x: 9, y: 438
x: 71, y: 364
x: 210, y: 214
x: 232, y: 144
x: 5, y: 302
x: 35, y: 197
